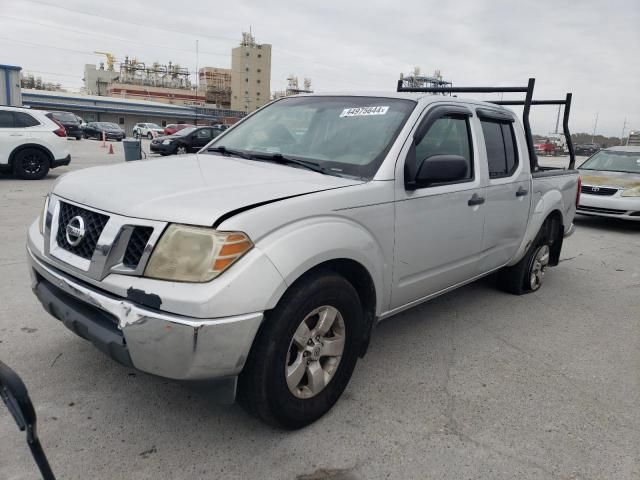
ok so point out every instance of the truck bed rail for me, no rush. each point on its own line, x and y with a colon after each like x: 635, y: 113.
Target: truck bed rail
x: 526, y: 103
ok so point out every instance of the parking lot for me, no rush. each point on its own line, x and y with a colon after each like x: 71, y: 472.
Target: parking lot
x: 475, y: 384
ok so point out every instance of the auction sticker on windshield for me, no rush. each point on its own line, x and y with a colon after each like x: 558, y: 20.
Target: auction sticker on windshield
x: 361, y: 111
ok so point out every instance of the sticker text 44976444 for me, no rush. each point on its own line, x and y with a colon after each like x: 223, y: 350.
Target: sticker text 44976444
x: 362, y: 111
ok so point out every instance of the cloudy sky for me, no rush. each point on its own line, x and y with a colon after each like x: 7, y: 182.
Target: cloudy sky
x: 585, y: 46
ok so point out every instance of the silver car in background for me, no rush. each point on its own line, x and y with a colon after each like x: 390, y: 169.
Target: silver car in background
x: 611, y: 184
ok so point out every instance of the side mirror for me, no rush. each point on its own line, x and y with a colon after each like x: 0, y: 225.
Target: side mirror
x: 441, y: 169
x: 16, y: 397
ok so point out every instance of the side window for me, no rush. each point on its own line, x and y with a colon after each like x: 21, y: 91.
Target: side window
x: 502, y: 153
x: 25, y: 120
x: 6, y: 119
x: 204, y: 133
x: 120, y: 120
x: 447, y: 136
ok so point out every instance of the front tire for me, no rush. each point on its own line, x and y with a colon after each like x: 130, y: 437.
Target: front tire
x: 31, y: 164
x: 305, y: 352
x: 181, y: 150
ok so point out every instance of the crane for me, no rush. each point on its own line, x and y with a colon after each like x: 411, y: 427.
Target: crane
x: 110, y: 59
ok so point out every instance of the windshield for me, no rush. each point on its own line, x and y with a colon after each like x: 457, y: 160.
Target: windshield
x: 109, y: 125
x: 65, y: 117
x: 184, y: 131
x: 343, y: 135
x: 612, y: 161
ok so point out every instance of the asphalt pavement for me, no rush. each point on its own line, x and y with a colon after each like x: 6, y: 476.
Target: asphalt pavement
x: 475, y: 384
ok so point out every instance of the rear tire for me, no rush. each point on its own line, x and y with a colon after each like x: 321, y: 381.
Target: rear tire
x: 31, y: 164
x: 526, y: 276
x: 149, y: 135
x: 299, y: 365
x: 79, y: 137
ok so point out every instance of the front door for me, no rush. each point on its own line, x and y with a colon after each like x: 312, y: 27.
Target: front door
x: 201, y: 137
x: 438, y: 228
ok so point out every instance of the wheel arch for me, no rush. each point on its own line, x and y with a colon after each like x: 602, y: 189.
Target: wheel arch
x: 36, y: 146
x: 361, y: 280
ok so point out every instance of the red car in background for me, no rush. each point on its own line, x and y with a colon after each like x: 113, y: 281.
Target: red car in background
x: 176, y: 127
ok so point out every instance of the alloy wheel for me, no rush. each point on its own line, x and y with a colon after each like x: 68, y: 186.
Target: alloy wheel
x: 315, y: 352
x: 538, y: 267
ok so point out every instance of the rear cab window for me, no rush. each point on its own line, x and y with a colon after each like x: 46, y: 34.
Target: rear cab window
x: 502, y: 150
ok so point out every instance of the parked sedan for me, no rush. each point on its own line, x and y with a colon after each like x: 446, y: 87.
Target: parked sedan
x: 69, y: 121
x: 611, y: 184
x: 176, y: 127
x: 587, y: 149
x: 111, y: 131
x: 186, y: 140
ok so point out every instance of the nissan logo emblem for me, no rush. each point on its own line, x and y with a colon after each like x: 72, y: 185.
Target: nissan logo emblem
x: 75, y: 231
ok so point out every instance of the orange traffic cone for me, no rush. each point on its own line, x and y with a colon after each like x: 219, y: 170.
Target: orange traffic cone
x: 111, y: 149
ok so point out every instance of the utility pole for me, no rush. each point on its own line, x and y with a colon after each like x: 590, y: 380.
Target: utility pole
x: 624, y: 126
x: 558, y: 119
x: 197, y: 82
x: 594, y: 127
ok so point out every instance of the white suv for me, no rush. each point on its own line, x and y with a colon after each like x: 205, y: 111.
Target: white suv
x: 31, y: 143
x: 148, y: 130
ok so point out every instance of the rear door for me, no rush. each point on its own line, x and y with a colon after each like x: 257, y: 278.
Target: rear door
x: 438, y: 229
x: 508, y: 189
x: 10, y: 135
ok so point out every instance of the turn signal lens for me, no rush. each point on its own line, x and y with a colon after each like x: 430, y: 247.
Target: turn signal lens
x: 43, y: 215
x: 195, y: 254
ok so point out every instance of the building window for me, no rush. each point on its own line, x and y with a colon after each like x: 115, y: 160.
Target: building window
x: 259, y: 70
x: 120, y: 120
x: 258, y: 80
x: 247, y: 54
x: 258, y: 93
x: 164, y: 123
x: 259, y: 55
x: 235, y: 97
x: 246, y: 79
x: 246, y: 69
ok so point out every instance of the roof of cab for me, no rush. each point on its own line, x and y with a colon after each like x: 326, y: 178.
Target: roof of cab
x: 420, y: 97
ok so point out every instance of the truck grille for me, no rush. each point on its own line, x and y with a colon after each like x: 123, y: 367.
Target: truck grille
x: 607, y: 191
x: 94, y: 223
x: 135, y: 248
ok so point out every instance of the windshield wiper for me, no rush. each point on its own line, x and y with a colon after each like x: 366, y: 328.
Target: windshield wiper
x: 279, y: 158
x: 230, y: 152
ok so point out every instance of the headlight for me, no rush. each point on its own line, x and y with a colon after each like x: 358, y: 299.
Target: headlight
x: 631, y: 192
x: 167, y: 142
x: 43, y: 215
x: 195, y: 254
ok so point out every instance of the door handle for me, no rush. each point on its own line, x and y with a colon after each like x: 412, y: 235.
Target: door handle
x: 16, y: 134
x: 475, y: 200
x: 521, y: 192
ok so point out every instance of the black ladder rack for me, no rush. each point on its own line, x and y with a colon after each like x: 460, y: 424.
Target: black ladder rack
x: 527, y: 102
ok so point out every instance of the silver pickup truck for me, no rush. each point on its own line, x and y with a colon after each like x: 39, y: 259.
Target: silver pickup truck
x: 261, y: 264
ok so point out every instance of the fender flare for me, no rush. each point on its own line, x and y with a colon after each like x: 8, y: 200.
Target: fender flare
x: 308, y: 240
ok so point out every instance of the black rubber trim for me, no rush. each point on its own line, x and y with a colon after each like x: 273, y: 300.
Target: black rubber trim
x: 85, y: 320
x: 489, y: 114
x: 61, y: 162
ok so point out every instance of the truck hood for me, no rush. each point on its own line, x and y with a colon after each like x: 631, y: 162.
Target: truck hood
x: 192, y: 189
x: 610, y: 179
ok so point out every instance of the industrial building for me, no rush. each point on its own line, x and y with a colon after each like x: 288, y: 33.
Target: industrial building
x: 216, y: 83
x: 251, y: 74
x: 125, y: 112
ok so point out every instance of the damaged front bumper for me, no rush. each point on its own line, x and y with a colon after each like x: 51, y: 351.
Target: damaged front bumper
x: 159, y: 343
